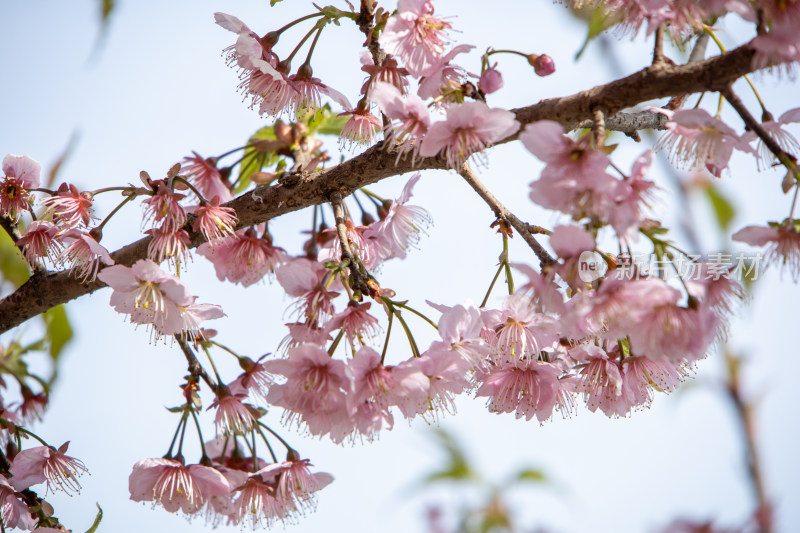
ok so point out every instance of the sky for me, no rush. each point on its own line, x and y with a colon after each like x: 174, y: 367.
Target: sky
x: 157, y: 88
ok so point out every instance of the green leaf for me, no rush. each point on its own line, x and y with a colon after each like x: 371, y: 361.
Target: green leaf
x: 530, y: 474
x: 58, y: 330
x: 273, y: 2
x: 457, y: 467
x: 13, y: 267
x: 323, y: 121
x: 723, y: 208
x: 254, y: 160
x: 106, y: 7
x: 97, y: 519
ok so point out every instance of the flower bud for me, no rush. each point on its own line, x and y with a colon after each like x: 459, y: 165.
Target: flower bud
x: 542, y: 64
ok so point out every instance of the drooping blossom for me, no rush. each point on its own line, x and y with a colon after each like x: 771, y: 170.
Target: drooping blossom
x: 544, y: 293
x: 446, y: 371
x: 295, y: 484
x: 519, y: 333
x: 314, y: 393
x: 233, y: 416
x: 444, y: 76
x: 163, y: 207
x: 574, y: 180
x: 310, y: 90
x: 633, y: 192
x: 355, y: 322
x: 243, y: 257
x: 782, y: 243
x: 148, y: 294
x: 529, y: 388
x: 213, y: 221
x: 781, y: 136
x: 195, y: 314
x: 697, y: 140
x: 15, y: 513
x: 632, y: 14
x: 361, y: 127
x: 175, y: 486
x: 376, y: 388
x: 460, y: 328
x: 469, y: 128
x: 388, y: 72
x: 69, y: 207
x: 779, y: 48
x: 21, y: 174
x: 368, y: 252
x: 643, y: 375
x: 168, y: 244
x: 256, y: 503
x: 410, y: 119
x: 401, y: 227
x: 85, y: 254
x: 599, y: 380
x: 415, y: 35
x: 45, y: 464
x: 307, y: 281
x: 255, y: 378
x: 204, y: 174
x: 40, y: 240
x: 569, y: 242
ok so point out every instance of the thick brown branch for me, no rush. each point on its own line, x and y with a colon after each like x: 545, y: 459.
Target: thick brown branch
x: 41, y: 292
x: 502, y: 213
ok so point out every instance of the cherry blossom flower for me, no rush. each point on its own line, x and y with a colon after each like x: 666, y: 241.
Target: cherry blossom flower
x: 401, y: 227
x: 314, y: 392
x: 233, y: 416
x: 15, y: 513
x: 460, y: 328
x: 633, y: 14
x: 257, y: 504
x: 69, y: 207
x: 599, y: 380
x: 295, y: 483
x: 21, y: 175
x: 785, y: 139
x: 40, y: 240
x: 643, y: 375
x: 529, y: 388
x: 778, y: 48
x: 204, y: 174
x: 469, y: 128
x: 174, y: 486
x: 255, y: 378
x: 243, y: 257
x: 446, y: 371
x: 389, y: 72
x: 415, y: 35
x: 168, y: 244
x: 45, y: 464
x: 148, y: 294
x: 305, y: 280
x: 213, y: 221
x: 310, y: 90
x: 85, y: 254
x: 410, y: 119
x: 443, y: 76
x: 195, y: 314
x: 361, y: 127
x: 632, y: 193
x: 782, y: 242
x: 376, y: 388
x: 520, y: 332
x: 163, y: 207
x: 355, y: 322
x: 697, y: 140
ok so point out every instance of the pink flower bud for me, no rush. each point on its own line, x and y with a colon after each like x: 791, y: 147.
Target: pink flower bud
x: 542, y: 64
x: 490, y: 81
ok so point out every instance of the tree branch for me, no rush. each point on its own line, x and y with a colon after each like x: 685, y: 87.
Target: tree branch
x: 501, y: 212
x: 43, y: 291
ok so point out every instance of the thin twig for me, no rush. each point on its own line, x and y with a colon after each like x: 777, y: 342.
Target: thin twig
x: 599, y: 127
x: 195, y: 368
x: 658, y: 48
x: 359, y: 281
x: 501, y: 212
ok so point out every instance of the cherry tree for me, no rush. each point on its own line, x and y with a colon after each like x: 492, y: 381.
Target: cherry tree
x: 568, y: 317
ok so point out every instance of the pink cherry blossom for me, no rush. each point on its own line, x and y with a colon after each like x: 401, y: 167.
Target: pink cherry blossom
x: 174, y: 486
x: 782, y: 242
x: 204, y: 174
x: 460, y: 328
x: 361, y: 128
x: 45, y: 464
x: 784, y: 138
x: 243, y: 257
x: 213, y: 221
x: 697, y: 140
x: 779, y: 48
x: 148, y: 294
x: 444, y: 76
x: 15, y: 513
x: 632, y: 193
x: 520, y: 333
x: 168, y: 244
x: 410, y: 119
x: 69, y: 207
x: 415, y: 35
x: 41, y: 240
x: 310, y: 90
x: 643, y: 375
x: 233, y: 416
x: 376, y: 388
x: 163, y: 207
x: 446, y: 371
x: 21, y: 175
x: 469, y: 128
x: 401, y: 228
x: 256, y: 503
x: 632, y: 14
x: 314, y: 393
x: 528, y: 389
x: 85, y: 254
x: 255, y: 378
x: 296, y: 485
x: 306, y: 280
x: 389, y: 72
x: 195, y: 314
x: 355, y: 322
x: 599, y: 380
